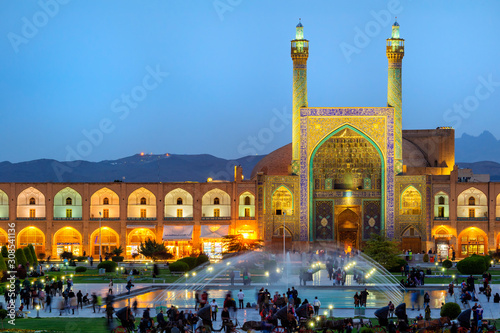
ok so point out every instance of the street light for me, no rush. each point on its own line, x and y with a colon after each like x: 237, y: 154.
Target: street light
x: 331, y: 310
x: 38, y: 311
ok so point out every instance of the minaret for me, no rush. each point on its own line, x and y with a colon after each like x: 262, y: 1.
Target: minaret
x: 395, y: 50
x: 300, y: 53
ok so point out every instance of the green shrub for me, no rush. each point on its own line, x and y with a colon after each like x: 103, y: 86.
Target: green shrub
x: 33, y: 254
x: 27, y: 254
x: 450, y: 310
x: 397, y: 268
x: 80, y: 269
x: 72, y: 263
x: 472, y: 265
x: 81, y: 259
x: 110, y: 266
x: 447, y: 264
x: 117, y: 258
x: 366, y: 330
x: 5, y: 253
x: 426, y: 257
x: 179, y: 266
x: 20, y: 257
x: 487, y: 260
x: 66, y: 255
x: 3, y: 265
x: 190, y: 261
x: 202, y: 258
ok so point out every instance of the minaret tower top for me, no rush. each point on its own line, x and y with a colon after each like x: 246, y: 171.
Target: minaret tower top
x: 395, y: 47
x: 300, y: 46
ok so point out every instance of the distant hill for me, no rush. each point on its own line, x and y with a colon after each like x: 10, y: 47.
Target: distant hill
x: 484, y: 147
x: 136, y: 168
x: 489, y: 167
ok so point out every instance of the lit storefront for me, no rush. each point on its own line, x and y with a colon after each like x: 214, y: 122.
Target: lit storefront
x: 68, y: 239
x: 211, y: 240
x: 109, y: 241
x: 138, y: 235
x: 472, y: 241
x: 178, y: 239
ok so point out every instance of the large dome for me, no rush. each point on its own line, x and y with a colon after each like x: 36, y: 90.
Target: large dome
x: 413, y: 156
x: 275, y: 163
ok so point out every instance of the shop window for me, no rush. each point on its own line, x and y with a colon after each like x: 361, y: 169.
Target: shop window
x: 411, y: 202
x: 143, y: 213
x: 105, y: 213
x: 216, y: 212
x: 216, y: 201
x: 179, y: 201
x: 247, y: 201
x: 440, y: 211
x: 464, y: 239
x: 69, y: 213
x: 143, y: 201
x: 32, y: 201
x: 32, y: 213
x: 179, y: 213
x: 472, y: 212
x: 247, y: 212
x: 472, y: 201
x: 105, y: 201
x: 441, y: 200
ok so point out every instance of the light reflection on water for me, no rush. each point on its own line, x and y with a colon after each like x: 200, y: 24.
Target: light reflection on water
x: 339, y: 298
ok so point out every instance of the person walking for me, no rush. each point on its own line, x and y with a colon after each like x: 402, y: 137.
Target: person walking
x: 110, y: 286
x: 316, y: 305
x: 213, y: 309
x: 391, y: 309
x: 487, y: 292
x: 48, y: 303
x: 427, y: 299
x: 79, y: 298
x: 94, y: 301
x: 231, y: 276
x: 427, y: 313
x: 241, y: 296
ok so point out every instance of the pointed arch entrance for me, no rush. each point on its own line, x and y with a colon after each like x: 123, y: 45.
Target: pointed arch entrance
x: 348, y: 228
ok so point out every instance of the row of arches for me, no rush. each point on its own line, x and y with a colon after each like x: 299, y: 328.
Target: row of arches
x: 71, y: 240
x: 472, y: 203
x: 141, y: 204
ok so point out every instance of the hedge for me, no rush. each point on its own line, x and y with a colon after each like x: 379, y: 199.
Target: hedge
x: 3, y: 265
x: 472, y: 265
x: 110, y: 266
x: 117, y: 258
x: 366, y: 330
x: 397, y: 267
x: 80, y: 269
x: 450, y: 310
x: 202, y: 258
x: 81, y: 258
x: 190, y: 261
x: 20, y: 257
x: 33, y: 254
x: 5, y: 253
x: 447, y: 263
x: 27, y: 253
x: 179, y: 266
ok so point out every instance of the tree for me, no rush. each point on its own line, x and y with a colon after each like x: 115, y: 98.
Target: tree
x: 450, y: 310
x: 382, y: 250
x: 152, y: 249
x: 237, y: 243
x: 118, y: 251
x: 3, y: 265
x: 3, y: 315
x: 20, y: 257
x: 5, y: 253
x: 33, y: 254
x: 27, y: 254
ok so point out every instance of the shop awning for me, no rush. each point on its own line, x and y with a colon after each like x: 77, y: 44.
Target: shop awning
x: 177, y: 232
x: 214, y: 231
x: 133, y: 226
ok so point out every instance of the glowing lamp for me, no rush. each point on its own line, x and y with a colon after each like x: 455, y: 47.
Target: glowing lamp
x: 330, y: 307
x: 186, y: 275
x: 267, y: 273
x: 194, y: 273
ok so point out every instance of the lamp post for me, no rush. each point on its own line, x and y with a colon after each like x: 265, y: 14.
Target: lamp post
x: 100, y: 238
x: 38, y: 311
x: 284, y: 249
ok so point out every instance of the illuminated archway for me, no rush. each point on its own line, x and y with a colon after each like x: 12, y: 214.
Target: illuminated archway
x: 3, y: 237
x: 34, y: 236
x: 141, y: 205
x: 441, y: 206
x: 472, y: 204
x: 104, y: 204
x: 110, y: 241
x: 282, y: 201
x: 4, y: 206
x: 31, y: 204
x: 246, y: 205
x: 216, y: 203
x: 67, y: 204
x: 136, y: 237
x: 472, y: 241
x: 178, y: 204
x: 67, y: 239
x: 411, y: 201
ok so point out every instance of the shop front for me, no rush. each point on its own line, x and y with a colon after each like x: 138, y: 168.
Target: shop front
x: 473, y: 241
x: 211, y: 237
x: 178, y: 239
x: 136, y: 236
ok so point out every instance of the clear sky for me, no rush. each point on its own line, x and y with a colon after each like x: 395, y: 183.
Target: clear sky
x: 107, y: 79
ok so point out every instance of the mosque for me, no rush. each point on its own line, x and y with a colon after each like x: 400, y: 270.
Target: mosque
x: 349, y: 172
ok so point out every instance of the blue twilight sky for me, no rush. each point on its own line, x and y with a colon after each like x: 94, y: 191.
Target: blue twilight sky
x: 222, y: 73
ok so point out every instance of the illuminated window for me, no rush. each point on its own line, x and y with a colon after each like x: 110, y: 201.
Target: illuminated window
x: 32, y: 212
x: 105, y: 213
x: 216, y: 212
x: 472, y: 201
x: 247, y: 201
x: 282, y: 201
x: 68, y: 239
x: 247, y: 212
x: 411, y: 202
x: 179, y: 201
x: 472, y: 212
x: 32, y: 201
x: 440, y: 211
x: 179, y: 213
x: 105, y: 201
x: 441, y: 200
x: 216, y: 201
x: 109, y: 241
x: 143, y: 213
x: 69, y: 213
x: 69, y: 201
x: 143, y: 201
